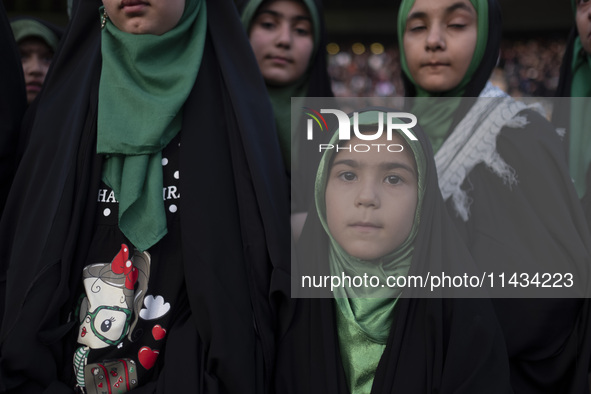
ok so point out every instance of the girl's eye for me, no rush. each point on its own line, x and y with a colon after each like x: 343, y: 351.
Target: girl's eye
x: 302, y: 31
x: 348, y: 176
x: 457, y: 26
x: 417, y: 28
x: 267, y: 25
x: 266, y: 22
x: 393, y: 179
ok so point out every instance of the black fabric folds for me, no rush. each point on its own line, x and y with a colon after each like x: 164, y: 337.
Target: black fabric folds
x: 439, y: 344
x: 13, y: 102
x: 234, y: 222
x: 319, y: 86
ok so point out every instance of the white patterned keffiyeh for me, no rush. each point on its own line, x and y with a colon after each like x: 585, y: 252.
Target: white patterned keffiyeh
x: 474, y: 141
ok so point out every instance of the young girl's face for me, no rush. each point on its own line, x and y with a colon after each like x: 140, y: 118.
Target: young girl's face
x: 584, y: 23
x: 145, y: 17
x: 281, y: 37
x: 439, y: 42
x: 371, y: 198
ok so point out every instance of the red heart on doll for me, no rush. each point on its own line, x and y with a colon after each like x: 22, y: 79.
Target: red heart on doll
x: 100, y: 385
x: 158, y: 332
x: 147, y: 357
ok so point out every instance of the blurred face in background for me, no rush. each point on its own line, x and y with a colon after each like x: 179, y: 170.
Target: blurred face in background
x: 439, y: 42
x: 145, y: 17
x: 281, y: 36
x: 36, y: 57
x: 583, y: 20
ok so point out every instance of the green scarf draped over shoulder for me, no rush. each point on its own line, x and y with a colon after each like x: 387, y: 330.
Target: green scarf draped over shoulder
x: 436, y: 117
x: 364, y: 316
x: 580, y: 116
x: 145, y: 81
x: 280, y: 96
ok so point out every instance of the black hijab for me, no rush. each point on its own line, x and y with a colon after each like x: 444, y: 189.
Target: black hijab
x: 436, y: 344
x: 234, y: 226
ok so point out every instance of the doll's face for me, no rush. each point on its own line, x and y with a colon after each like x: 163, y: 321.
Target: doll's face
x: 371, y: 199
x: 145, y: 16
x: 584, y: 23
x: 281, y: 37
x: 104, y: 315
x: 439, y: 42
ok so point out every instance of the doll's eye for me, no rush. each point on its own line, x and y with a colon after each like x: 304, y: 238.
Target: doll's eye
x: 107, y: 324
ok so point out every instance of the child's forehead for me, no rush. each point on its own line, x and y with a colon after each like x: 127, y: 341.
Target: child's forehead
x: 363, y: 155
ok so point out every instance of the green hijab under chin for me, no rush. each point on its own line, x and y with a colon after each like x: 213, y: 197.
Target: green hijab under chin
x: 437, y: 118
x: 580, y: 116
x: 145, y: 81
x: 364, y: 316
x: 280, y: 96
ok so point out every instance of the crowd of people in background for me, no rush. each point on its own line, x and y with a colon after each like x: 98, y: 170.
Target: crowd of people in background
x: 526, y: 68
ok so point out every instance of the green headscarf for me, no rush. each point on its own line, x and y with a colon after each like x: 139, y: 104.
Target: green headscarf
x: 25, y: 28
x: 364, y: 323
x: 280, y: 96
x: 580, y: 116
x: 145, y: 81
x: 437, y: 118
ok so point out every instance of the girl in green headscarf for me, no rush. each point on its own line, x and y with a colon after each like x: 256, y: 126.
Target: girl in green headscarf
x: 380, y: 217
x: 369, y: 204
x: 490, y: 153
x: 575, y: 81
x: 288, y: 39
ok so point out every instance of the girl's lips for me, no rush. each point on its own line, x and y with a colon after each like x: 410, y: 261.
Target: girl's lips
x: 435, y: 64
x: 280, y: 59
x: 134, y: 9
x: 133, y: 6
x: 33, y: 87
x: 83, y: 333
x: 365, y: 226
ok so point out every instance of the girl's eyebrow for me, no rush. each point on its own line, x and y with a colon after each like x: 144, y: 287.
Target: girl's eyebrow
x: 448, y: 10
x: 389, y: 165
x: 276, y: 14
x: 395, y: 165
x: 347, y: 162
